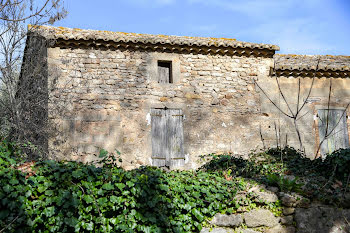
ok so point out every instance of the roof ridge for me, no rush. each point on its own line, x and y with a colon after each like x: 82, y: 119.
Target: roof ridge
x: 68, y: 34
x: 306, y: 63
x: 311, y: 55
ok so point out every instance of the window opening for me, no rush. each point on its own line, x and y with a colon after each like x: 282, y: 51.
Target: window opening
x: 165, y: 72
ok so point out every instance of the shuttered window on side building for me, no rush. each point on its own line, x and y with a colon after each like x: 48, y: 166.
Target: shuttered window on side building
x: 333, y: 130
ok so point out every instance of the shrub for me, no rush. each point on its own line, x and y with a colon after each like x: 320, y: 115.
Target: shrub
x: 75, y: 197
x: 338, y: 163
x: 285, y: 184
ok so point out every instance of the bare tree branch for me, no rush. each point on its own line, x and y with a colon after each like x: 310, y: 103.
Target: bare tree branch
x: 14, y: 17
x: 284, y: 113
x: 292, y: 115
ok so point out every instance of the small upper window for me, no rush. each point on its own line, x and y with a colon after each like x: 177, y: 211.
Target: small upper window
x: 165, y: 72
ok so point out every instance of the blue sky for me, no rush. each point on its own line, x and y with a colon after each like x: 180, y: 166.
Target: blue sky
x: 297, y: 26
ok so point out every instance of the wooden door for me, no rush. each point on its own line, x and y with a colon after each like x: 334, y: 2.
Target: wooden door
x: 167, y: 138
x: 332, y: 122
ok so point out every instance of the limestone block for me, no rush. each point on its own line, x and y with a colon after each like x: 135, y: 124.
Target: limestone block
x: 224, y: 220
x: 251, y: 103
x: 216, y: 74
x: 287, y: 220
x: 288, y: 200
x: 163, y: 99
x: 260, y: 217
x: 267, y: 196
x: 281, y: 229
x: 245, y: 230
x: 294, y: 200
x: 204, y: 73
x: 217, y: 230
x: 288, y: 210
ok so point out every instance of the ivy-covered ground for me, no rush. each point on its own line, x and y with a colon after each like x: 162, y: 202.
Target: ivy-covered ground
x: 50, y: 196
x: 325, y: 181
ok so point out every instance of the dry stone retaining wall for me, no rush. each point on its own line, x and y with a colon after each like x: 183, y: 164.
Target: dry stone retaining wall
x: 298, y: 216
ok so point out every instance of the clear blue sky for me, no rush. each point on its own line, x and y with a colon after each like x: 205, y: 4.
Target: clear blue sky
x: 297, y: 26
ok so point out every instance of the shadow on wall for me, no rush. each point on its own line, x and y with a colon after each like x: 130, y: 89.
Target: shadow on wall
x: 32, y: 97
x: 97, y: 102
x: 324, y: 93
x: 81, y: 91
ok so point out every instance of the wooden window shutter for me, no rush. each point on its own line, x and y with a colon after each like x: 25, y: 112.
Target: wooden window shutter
x: 164, y: 72
x: 336, y: 129
x: 175, y: 137
x: 159, y: 149
x: 167, y: 138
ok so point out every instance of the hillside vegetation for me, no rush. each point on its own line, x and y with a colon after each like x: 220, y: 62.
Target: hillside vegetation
x: 66, y: 196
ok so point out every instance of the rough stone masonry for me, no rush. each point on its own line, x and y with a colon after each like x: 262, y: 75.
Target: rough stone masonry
x: 162, y: 100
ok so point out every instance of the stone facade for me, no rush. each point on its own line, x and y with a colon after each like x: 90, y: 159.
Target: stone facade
x: 102, y: 87
x: 316, y: 75
x: 111, y: 94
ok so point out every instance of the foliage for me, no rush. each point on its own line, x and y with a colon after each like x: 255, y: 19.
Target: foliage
x: 275, y: 207
x: 108, y: 159
x: 69, y: 196
x: 339, y: 162
x: 273, y: 161
x: 325, y: 180
x: 284, y: 184
x: 241, y: 167
x: 75, y: 197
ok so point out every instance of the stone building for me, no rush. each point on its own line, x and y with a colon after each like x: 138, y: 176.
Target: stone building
x: 166, y: 100
x: 323, y: 103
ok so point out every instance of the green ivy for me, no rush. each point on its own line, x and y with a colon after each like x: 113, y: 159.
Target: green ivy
x: 69, y: 196
x: 75, y: 197
x: 326, y: 180
x: 284, y: 184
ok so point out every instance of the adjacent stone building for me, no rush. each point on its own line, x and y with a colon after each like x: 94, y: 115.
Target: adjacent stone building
x: 324, y: 94
x: 166, y: 100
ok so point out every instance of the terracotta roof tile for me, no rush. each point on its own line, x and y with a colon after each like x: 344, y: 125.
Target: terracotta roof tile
x: 309, y: 62
x: 50, y: 32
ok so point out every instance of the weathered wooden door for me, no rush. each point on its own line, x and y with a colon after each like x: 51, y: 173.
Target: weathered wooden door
x: 167, y: 138
x: 332, y: 122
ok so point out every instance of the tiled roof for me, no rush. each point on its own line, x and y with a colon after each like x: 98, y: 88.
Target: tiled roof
x: 310, y: 65
x: 309, y: 62
x: 206, y: 43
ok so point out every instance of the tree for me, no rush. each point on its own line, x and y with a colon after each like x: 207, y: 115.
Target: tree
x: 14, y: 17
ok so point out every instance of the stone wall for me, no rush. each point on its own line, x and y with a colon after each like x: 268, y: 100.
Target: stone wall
x: 298, y: 215
x: 107, y: 96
